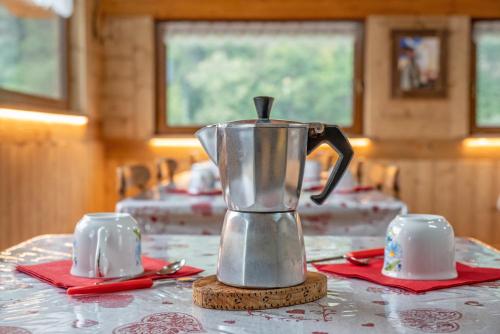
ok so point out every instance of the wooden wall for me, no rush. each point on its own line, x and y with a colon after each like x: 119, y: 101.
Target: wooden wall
x: 127, y: 94
x: 463, y: 190
x: 50, y: 175
x: 423, y: 137
x: 49, y: 178
x: 416, y: 118
x: 296, y: 9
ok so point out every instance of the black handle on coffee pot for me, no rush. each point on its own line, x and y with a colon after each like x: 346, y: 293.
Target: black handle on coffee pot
x: 333, y: 136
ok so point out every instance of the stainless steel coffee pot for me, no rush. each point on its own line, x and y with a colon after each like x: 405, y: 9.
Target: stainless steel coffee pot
x: 261, y: 164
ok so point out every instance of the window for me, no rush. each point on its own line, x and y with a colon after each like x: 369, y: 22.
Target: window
x: 33, y: 59
x: 486, y: 76
x: 208, y: 72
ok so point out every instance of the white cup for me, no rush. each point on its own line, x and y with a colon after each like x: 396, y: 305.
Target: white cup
x: 420, y: 247
x: 312, y: 174
x: 106, y: 245
x: 346, y: 182
x: 203, y: 179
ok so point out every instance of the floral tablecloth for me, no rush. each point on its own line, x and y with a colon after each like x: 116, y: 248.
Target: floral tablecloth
x: 352, y: 306
x: 362, y: 213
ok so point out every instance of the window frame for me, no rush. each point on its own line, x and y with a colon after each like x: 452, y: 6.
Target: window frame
x: 474, y: 128
x: 19, y: 100
x: 161, y: 121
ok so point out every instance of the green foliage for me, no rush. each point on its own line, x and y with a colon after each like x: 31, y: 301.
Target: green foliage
x: 30, y: 56
x: 213, y: 79
x: 488, y: 80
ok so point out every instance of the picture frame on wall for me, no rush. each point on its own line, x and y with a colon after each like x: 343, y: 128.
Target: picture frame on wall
x: 419, y: 66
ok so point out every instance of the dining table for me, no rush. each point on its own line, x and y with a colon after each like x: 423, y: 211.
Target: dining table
x: 28, y: 305
x: 362, y: 211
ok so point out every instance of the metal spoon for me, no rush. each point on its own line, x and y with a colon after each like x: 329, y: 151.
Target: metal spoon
x: 353, y: 260
x: 359, y: 257
x: 168, y: 269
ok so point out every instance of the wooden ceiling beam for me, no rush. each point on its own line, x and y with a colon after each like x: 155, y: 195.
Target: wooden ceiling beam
x: 297, y: 9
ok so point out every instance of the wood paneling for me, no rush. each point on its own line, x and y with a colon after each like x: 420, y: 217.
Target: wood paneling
x: 416, y: 118
x: 50, y: 175
x: 462, y: 186
x: 296, y: 9
x: 463, y: 190
x: 424, y: 137
x: 47, y: 183
x: 127, y: 94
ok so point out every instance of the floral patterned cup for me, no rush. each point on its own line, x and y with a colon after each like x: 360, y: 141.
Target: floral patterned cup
x: 106, y: 245
x: 420, y: 247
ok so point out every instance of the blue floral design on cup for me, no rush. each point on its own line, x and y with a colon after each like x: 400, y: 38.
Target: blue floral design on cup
x: 75, y: 261
x: 392, y: 254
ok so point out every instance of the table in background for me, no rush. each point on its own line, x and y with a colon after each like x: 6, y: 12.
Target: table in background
x: 361, y: 213
x: 31, y: 306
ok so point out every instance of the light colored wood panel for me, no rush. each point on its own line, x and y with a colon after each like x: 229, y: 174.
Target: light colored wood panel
x: 26, y: 186
x: 127, y: 96
x: 444, y: 184
x: 484, y: 200
x: 47, y: 176
x: 296, y: 9
x: 17, y: 211
x: 496, y: 214
x: 10, y: 187
x: 47, y: 186
x: 3, y: 194
x: 424, y: 178
x: 415, y: 118
x: 407, y: 183
x: 41, y: 171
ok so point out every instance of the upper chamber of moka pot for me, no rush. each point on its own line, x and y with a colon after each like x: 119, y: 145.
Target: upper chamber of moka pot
x: 261, y: 161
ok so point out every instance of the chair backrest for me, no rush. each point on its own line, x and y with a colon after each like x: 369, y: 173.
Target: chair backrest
x: 165, y: 170
x: 383, y: 177
x: 132, y: 176
x: 391, y: 180
x: 374, y: 175
x: 356, y: 168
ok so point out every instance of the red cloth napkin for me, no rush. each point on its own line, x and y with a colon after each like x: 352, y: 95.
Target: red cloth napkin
x: 372, y: 272
x: 58, y: 274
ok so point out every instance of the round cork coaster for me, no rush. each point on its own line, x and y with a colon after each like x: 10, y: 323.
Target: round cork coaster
x: 208, y: 292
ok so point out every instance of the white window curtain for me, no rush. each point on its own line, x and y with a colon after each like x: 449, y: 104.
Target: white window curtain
x: 62, y: 8
x: 257, y: 28
x: 486, y: 28
x: 39, y: 8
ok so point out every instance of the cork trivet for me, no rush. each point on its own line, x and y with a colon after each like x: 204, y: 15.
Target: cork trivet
x: 208, y: 292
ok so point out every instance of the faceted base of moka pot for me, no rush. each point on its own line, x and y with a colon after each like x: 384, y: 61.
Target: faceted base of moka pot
x: 261, y: 250
x: 208, y: 292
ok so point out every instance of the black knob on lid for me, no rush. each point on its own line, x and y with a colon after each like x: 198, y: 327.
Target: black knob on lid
x: 263, y: 104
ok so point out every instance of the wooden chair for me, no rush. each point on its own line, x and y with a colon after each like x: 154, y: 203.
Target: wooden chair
x: 133, y: 176
x: 390, y: 184
x: 374, y: 175
x: 356, y: 168
x: 165, y: 171
x: 383, y: 177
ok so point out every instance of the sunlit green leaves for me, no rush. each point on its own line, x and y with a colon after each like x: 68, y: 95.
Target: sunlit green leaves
x: 30, y: 55
x: 488, y: 79
x: 214, y: 79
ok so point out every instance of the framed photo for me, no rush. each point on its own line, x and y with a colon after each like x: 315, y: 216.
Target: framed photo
x: 419, y: 63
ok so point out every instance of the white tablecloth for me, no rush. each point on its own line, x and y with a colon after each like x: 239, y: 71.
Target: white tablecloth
x: 352, y: 306
x: 362, y: 213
